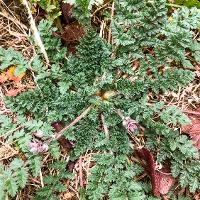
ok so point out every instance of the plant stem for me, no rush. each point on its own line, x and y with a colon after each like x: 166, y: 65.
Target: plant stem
x: 174, y: 5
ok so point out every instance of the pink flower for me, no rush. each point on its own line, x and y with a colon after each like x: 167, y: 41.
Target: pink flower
x: 38, y: 147
x: 130, y: 125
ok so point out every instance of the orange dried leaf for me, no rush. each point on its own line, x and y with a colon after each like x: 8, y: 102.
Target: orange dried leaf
x: 11, y: 70
x: 10, y: 73
x: 13, y: 92
x: 15, y: 79
x: 3, y: 78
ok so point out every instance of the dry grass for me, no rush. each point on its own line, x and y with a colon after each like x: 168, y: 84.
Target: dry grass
x: 187, y: 98
x: 13, y: 32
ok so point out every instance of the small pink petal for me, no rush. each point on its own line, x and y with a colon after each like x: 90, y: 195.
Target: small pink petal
x: 38, y: 147
x: 130, y: 125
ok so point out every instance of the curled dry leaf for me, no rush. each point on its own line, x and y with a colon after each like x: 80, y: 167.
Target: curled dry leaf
x: 193, y: 129
x: 161, y: 180
x: 164, y: 181
x: 68, y: 196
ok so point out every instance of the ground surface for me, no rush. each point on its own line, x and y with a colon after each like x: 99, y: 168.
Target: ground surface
x: 15, y: 32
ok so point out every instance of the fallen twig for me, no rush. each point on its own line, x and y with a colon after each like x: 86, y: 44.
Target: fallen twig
x: 60, y: 133
x: 36, y: 34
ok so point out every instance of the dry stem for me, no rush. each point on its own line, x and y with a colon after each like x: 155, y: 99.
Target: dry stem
x: 82, y: 115
x: 110, y: 29
x: 36, y: 34
x: 104, y: 126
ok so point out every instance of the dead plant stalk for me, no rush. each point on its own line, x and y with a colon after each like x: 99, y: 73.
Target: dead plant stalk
x: 35, y: 31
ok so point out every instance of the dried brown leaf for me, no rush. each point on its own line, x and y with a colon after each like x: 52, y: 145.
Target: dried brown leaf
x: 161, y: 180
x: 72, y: 33
x: 193, y: 129
x: 67, y: 13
